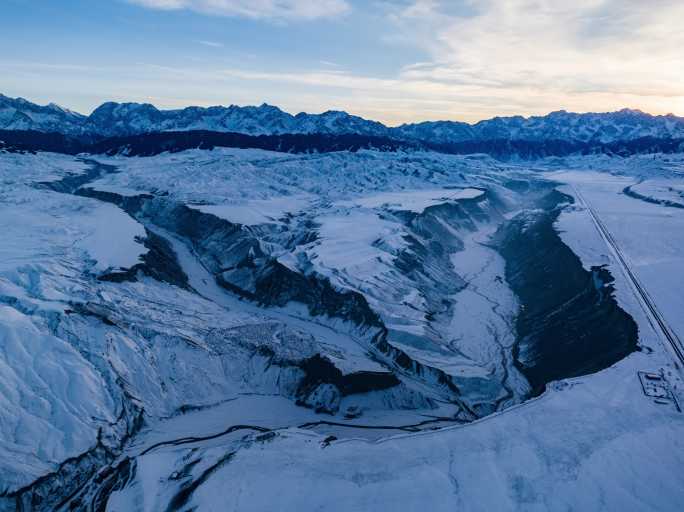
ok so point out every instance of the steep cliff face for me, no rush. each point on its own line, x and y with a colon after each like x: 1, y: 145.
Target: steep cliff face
x: 570, y: 323
x: 548, y: 279
x: 233, y: 255
x: 412, y: 339
x: 545, y: 275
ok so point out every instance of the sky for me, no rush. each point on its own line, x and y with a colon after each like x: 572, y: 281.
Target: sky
x: 395, y: 61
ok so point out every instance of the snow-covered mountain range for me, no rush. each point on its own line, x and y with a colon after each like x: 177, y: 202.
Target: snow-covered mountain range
x: 124, y: 119
x: 20, y: 114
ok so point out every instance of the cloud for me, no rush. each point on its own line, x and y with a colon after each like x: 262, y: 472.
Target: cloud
x: 585, y: 54
x: 414, y: 94
x: 255, y: 9
x: 477, y: 59
x: 212, y: 44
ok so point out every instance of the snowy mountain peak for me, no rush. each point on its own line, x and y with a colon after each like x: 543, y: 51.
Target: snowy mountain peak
x: 59, y: 108
x: 634, y: 111
x: 21, y: 114
x: 267, y: 106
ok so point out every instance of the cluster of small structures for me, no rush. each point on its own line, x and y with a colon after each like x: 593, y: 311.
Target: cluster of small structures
x: 657, y: 386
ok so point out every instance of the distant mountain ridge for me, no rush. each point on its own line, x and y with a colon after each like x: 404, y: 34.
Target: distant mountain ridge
x: 20, y: 114
x: 126, y: 119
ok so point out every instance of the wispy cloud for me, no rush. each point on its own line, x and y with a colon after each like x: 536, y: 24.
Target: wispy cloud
x: 256, y: 9
x: 212, y: 44
x: 464, y: 59
x: 583, y: 55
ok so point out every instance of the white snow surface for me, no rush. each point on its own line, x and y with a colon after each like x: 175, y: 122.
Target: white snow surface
x: 590, y: 443
x: 113, y: 238
x: 594, y: 444
x: 190, y: 356
x: 349, y: 198
x: 415, y: 200
x: 256, y: 211
x: 52, y: 401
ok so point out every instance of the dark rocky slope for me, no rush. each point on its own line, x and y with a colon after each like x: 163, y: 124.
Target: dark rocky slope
x: 569, y: 322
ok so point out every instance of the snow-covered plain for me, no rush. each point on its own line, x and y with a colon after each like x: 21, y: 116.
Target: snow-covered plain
x: 79, y: 355
x: 596, y: 444
x: 651, y: 237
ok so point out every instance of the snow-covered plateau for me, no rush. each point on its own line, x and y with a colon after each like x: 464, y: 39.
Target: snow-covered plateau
x: 240, y: 329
